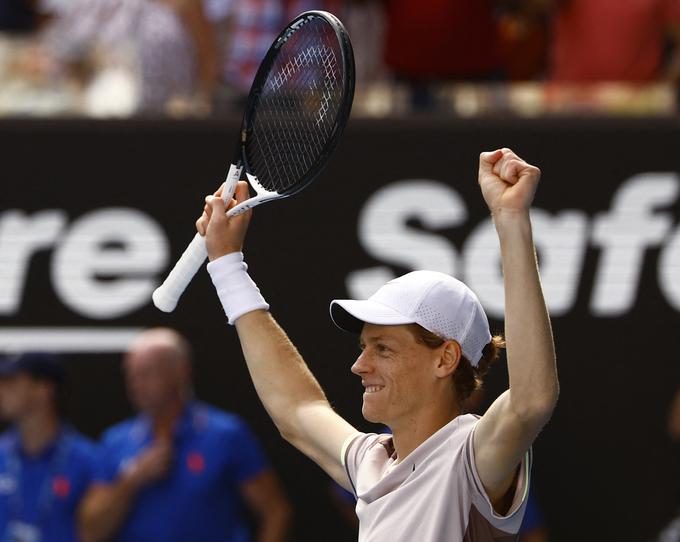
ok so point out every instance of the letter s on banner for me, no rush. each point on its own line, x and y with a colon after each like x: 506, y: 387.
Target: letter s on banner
x: 386, y: 236
x: 123, y: 246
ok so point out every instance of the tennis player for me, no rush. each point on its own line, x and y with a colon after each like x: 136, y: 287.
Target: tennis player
x: 425, y: 343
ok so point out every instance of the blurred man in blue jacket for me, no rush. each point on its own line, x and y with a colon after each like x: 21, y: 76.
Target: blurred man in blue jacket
x: 180, y: 470
x: 45, y: 465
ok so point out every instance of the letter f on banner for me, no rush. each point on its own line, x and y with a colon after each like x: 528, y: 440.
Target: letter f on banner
x: 624, y: 234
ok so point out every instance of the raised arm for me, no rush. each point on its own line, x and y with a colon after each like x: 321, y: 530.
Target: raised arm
x: 288, y: 390
x: 513, y: 421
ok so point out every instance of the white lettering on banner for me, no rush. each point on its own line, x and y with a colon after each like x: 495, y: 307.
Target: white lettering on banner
x: 669, y: 270
x: 623, y: 234
x: 20, y: 237
x: 385, y: 235
x: 482, y: 266
x: 123, y: 246
x: 561, y: 244
x: 104, y: 266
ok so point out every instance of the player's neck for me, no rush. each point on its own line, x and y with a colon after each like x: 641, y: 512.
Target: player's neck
x: 411, y: 432
x: 38, y: 430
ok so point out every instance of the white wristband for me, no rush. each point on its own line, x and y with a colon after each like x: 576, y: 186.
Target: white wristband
x: 236, y: 290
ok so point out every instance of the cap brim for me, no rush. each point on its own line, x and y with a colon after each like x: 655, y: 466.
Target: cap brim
x: 351, y: 315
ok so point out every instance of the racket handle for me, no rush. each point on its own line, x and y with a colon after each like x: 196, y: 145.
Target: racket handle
x: 230, y: 183
x: 166, y: 296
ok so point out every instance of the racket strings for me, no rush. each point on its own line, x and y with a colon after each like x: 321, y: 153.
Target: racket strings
x: 296, y: 114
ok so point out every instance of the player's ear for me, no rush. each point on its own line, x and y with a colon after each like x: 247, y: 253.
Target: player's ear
x: 450, y: 354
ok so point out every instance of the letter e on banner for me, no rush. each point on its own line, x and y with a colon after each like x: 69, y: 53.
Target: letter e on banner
x: 107, y: 264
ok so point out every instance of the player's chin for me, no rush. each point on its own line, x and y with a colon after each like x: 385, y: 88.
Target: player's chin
x: 371, y: 414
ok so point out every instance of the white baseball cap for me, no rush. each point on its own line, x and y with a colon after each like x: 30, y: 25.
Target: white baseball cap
x: 438, y: 302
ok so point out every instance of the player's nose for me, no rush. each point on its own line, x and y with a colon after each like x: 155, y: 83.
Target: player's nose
x: 361, y: 365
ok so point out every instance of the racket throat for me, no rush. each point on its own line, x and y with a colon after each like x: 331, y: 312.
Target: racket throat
x: 253, y: 202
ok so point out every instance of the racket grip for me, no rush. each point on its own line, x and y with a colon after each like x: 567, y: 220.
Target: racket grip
x: 230, y: 183
x: 166, y: 296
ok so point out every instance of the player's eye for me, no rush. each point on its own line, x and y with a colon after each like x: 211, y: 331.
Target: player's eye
x: 382, y: 349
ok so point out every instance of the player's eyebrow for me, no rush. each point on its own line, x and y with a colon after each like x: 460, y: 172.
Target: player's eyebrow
x: 374, y: 339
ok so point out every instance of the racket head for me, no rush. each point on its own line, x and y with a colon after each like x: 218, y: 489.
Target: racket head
x: 298, y: 105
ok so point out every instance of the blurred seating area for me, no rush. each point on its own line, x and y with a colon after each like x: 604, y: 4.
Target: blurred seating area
x: 196, y: 58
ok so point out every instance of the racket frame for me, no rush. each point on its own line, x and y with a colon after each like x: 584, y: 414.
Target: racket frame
x: 264, y: 195
x: 167, y: 295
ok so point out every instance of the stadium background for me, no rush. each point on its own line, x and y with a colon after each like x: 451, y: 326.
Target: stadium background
x: 98, y: 197
x: 605, y: 450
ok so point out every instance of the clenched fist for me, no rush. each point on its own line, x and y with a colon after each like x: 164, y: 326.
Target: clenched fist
x: 508, y: 183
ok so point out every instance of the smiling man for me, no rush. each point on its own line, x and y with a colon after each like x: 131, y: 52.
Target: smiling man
x: 442, y: 475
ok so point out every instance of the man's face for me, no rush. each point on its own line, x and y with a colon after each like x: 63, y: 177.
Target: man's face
x: 397, y: 373
x: 152, y: 377
x: 21, y: 394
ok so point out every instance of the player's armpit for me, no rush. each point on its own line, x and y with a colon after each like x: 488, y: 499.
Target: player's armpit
x: 322, y: 434
x: 501, y: 440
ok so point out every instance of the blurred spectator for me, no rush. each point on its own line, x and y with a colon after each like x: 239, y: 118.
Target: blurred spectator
x: 441, y: 40
x: 365, y: 22
x: 613, y: 40
x: 180, y: 470
x: 168, y: 44
x: 248, y: 30
x: 524, y: 41
x: 533, y: 525
x: 45, y: 466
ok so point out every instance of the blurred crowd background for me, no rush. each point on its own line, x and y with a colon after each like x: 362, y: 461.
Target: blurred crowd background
x: 118, y: 58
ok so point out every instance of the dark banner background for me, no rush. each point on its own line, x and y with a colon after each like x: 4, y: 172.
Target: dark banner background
x: 604, y: 466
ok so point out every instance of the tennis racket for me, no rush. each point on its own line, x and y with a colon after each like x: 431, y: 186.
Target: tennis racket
x: 297, y: 108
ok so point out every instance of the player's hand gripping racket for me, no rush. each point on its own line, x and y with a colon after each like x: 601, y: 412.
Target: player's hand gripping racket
x: 297, y: 108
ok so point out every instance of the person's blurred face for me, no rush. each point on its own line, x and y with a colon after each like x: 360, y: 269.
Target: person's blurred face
x: 153, y: 377
x: 21, y: 395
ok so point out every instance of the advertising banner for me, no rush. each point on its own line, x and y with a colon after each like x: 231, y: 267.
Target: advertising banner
x: 94, y: 214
